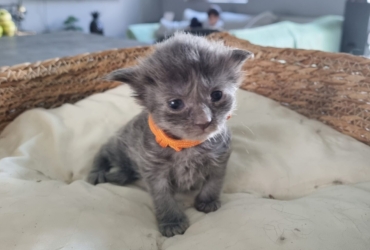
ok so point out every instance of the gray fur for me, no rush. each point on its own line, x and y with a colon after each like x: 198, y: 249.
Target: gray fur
x: 188, y: 68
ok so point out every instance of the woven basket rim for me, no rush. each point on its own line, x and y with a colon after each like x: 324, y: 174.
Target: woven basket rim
x: 333, y: 88
x: 55, y: 60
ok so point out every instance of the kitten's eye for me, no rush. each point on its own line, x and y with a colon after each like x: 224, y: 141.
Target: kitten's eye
x: 176, y: 104
x: 216, y: 96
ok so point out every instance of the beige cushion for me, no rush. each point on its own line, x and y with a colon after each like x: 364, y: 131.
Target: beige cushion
x: 46, y: 204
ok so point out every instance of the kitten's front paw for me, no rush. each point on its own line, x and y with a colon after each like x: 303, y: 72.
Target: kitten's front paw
x: 173, y: 227
x: 96, y: 177
x: 207, y: 207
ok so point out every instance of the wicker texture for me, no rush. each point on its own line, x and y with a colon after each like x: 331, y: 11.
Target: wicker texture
x: 51, y: 83
x: 332, y: 88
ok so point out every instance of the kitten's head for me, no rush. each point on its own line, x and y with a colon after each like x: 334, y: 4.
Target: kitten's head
x: 188, y: 85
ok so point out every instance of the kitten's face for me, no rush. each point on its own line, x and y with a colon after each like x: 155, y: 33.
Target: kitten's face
x: 193, y: 99
x: 188, y: 85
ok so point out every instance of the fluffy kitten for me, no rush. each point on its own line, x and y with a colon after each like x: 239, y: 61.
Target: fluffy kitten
x: 188, y: 86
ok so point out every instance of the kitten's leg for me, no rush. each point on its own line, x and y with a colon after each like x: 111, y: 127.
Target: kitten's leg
x: 104, y: 169
x: 101, y: 166
x: 171, y: 219
x: 122, y: 176
x: 208, y: 199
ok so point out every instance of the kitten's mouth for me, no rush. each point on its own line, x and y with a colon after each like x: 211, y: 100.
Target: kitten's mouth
x: 172, y: 136
x: 194, y: 133
x: 205, y: 133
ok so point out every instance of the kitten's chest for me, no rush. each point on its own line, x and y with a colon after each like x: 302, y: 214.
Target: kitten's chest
x: 191, y: 167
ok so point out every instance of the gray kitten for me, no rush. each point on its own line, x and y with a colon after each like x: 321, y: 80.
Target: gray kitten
x: 188, y: 87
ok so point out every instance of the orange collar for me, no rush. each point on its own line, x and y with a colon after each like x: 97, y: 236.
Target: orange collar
x: 164, y: 141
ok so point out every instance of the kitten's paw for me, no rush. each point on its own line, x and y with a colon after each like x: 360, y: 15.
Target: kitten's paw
x: 174, y: 227
x: 96, y: 177
x: 207, y: 207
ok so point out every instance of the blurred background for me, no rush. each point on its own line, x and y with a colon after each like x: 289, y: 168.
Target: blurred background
x: 326, y: 25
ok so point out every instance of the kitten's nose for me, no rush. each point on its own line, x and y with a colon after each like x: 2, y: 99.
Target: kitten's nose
x: 203, y: 116
x: 204, y: 125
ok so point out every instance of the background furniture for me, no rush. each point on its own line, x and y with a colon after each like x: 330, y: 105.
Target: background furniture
x: 266, y: 29
x: 321, y: 34
x: 21, y: 49
x: 356, y: 27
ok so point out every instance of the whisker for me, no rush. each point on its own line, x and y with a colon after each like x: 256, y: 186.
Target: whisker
x: 249, y: 129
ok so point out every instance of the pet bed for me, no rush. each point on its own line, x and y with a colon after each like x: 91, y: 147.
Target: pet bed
x: 292, y: 182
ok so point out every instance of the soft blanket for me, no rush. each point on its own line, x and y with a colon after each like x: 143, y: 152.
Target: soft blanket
x: 292, y: 183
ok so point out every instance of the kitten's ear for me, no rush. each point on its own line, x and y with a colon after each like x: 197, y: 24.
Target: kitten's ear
x: 131, y: 77
x: 239, y: 56
x: 126, y: 75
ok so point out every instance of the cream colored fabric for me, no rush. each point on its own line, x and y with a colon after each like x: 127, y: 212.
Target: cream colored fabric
x: 45, y: 203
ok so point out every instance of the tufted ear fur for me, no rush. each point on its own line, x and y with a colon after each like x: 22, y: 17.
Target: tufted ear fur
x: 238, y: 56
x: 131, y: 77
x: 126, y: 75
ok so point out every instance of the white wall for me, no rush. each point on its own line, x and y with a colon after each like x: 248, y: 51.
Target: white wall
x: 305, y: 8
x: 116, y: 15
